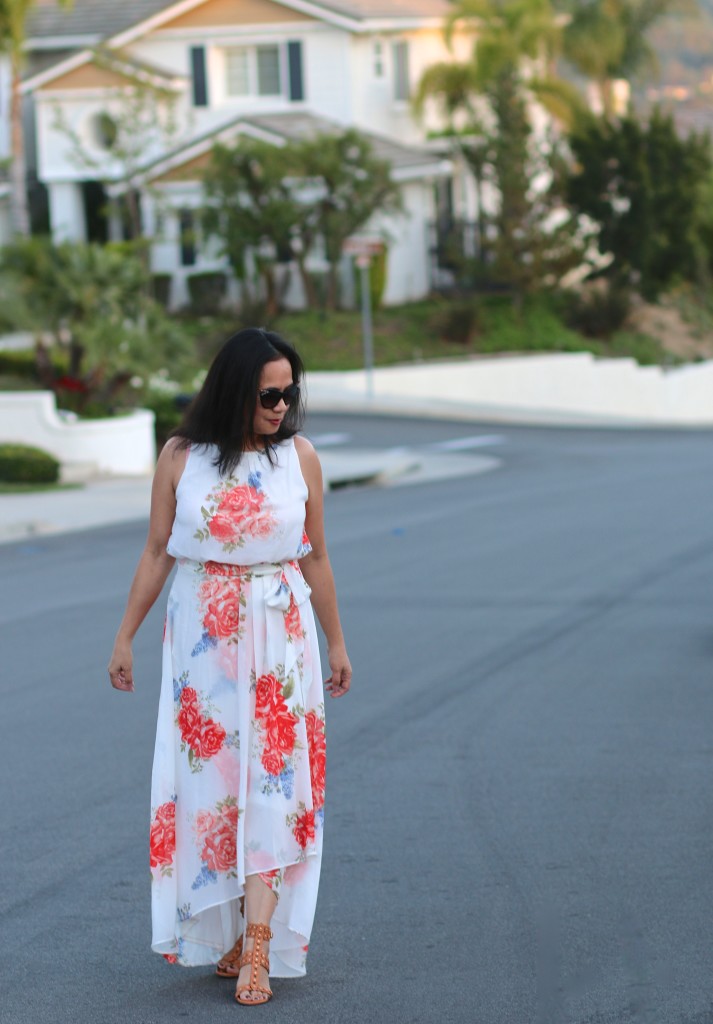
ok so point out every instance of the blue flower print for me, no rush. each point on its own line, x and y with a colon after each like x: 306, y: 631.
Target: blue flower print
x: 205, y: 876
x: 205, y: 643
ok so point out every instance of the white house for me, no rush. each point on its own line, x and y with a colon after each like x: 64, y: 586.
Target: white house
x: 5, y: 227
x: 273, y: 69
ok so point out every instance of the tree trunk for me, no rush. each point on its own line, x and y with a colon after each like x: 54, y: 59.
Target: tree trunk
x: 307, y: 283
x: 20, y: 213
x: 332, y: 286
x: 272, y: 306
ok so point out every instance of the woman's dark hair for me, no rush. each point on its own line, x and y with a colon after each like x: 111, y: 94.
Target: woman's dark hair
x: 223, y: 411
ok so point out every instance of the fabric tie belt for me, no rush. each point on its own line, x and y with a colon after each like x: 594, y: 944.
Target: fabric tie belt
x: 288, y: 582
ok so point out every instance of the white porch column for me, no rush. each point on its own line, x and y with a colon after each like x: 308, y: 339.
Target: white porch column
x: 67, y: 219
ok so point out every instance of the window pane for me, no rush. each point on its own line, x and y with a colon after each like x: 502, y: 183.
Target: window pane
x: 268, y: 71
x: 378, y: 60
x: 237, y: 80
x: 402, y: 88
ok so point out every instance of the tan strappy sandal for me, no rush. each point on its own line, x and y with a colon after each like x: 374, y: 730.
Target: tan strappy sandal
x: 229, y: 966
x: 259, y: 933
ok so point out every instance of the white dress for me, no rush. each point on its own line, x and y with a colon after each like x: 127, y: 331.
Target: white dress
x: 239, y: 764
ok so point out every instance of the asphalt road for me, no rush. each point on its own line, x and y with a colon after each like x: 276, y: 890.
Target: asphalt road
x: 519, y: 803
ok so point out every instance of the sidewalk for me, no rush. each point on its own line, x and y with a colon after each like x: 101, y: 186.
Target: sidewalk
x: 108, y: 502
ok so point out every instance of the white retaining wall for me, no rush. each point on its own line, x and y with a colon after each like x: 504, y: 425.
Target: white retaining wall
x: 121, y: 446
x: 562, y: 388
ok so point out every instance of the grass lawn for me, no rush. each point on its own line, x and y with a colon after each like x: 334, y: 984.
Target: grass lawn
x: 6, y: 488
x: 424, y: 330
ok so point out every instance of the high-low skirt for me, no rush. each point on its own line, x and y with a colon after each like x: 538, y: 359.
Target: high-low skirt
x: 239, y: 765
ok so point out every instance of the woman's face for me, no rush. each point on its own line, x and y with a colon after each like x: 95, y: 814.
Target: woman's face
x: 277, y: 374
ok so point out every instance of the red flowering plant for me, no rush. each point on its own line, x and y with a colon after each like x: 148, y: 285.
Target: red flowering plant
x: 91, y: 308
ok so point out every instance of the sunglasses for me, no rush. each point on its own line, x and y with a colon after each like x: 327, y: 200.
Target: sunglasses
x: 270, y: 397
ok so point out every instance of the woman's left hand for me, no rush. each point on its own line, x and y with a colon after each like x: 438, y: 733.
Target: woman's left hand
x: 341, y: 677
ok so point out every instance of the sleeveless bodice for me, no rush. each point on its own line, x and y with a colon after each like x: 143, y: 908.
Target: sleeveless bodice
x: 255, y: 515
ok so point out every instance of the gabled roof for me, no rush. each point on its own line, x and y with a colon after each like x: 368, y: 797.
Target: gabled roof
x: 407, y: 162
x: 390, y: 8
x: 98, y: 18
x: 102, y: 19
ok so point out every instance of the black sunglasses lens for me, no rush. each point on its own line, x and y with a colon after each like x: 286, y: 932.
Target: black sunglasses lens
x: 270, y: 398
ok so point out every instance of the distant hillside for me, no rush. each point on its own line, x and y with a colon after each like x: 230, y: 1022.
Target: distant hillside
x: 684, y: 84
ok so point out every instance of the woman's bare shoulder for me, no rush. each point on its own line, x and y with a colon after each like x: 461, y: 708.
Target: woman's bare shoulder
x: 304, y: 447
x: 172, y: 460
x: 309, y: 461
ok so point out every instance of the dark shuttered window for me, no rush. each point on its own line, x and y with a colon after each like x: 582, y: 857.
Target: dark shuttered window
x: 295, y: 72
x: 187, y: 237
x: 200, y: 81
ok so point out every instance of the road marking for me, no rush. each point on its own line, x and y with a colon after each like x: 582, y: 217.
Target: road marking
x: 329, y: 440
x: 459, y: 444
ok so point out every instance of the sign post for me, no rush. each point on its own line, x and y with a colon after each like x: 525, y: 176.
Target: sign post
x: 364, y: 249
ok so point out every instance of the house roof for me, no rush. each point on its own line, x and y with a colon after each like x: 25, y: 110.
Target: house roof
x: 407, y: 162
x: 389, y: 8
x: 102, y: 19
x: 302, y: 125
x: 97, y: 18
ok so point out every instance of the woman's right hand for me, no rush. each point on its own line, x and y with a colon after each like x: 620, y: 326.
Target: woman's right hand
x: 121, y: 666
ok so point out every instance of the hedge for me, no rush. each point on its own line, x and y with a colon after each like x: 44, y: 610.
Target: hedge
x: 21, y: 464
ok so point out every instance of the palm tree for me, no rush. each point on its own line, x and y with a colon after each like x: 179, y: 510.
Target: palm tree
x: 606, y: 40
x: 13, y: 20
x: 516, y: 44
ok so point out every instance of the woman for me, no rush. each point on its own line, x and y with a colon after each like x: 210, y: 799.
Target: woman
x: 238, y: 777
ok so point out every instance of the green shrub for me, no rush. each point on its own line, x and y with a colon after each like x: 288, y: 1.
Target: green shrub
x: 457, y: 322
x: 167, y: 414
x: 161, y: 288
x: 207, y: 292
x: 21, y: 464
x: 16, y: 363
x: 598, y: 313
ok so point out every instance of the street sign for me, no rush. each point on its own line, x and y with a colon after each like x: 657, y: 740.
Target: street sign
x: 363, y: 245
x: 364, y: 248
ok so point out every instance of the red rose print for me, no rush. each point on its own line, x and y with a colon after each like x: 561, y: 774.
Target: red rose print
x: 190, y: 723
x: 293, y: 622
x: 221, y: 601
x: 170, y: 957
x: 304, y: 829
x: 210, y: 739
x: 205, y: 822
x: 188, y: 696
x: 229, y: 815
x: 221, y: 569
x: 317, y: 757
x: 219, y: 849
x: 272, y: 762
x: 261, y: 525
x: 162, y: 837
x: 222, y: 528
x: 241, y: 511
x: 268, y: 695
x: 280, y: 731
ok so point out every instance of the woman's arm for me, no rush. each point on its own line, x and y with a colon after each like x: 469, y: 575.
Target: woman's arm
x: 318, y: 572
x: 154, y: 565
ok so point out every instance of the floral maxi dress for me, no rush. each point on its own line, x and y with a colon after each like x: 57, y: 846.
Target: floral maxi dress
x: 239, y: 764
